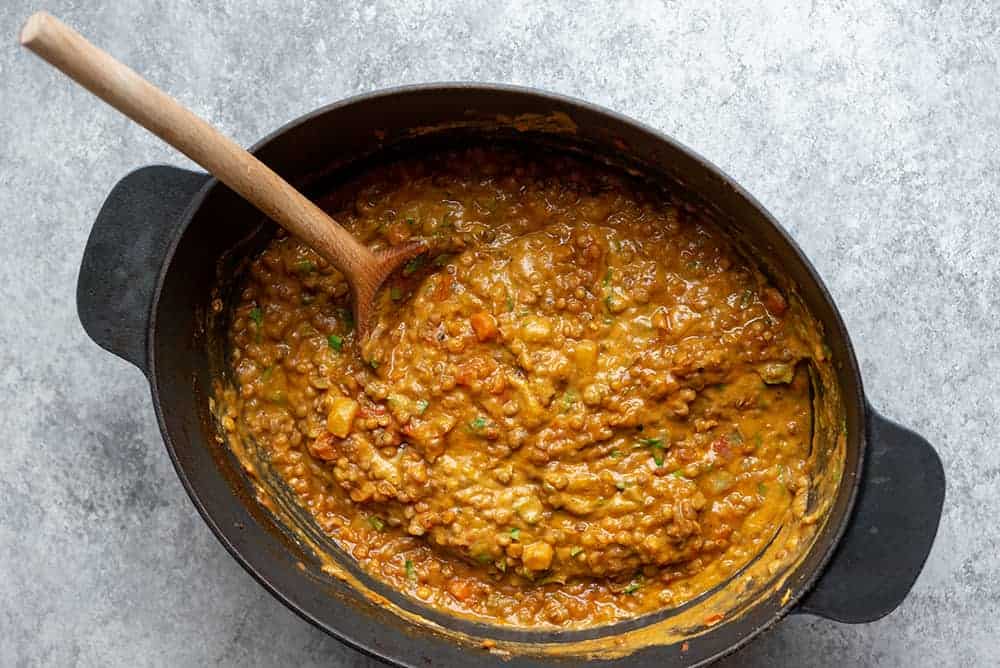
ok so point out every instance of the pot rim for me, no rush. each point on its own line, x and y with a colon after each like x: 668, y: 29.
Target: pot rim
x: 850, y: 360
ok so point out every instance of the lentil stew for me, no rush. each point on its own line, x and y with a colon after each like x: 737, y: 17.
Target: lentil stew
x: 583, y: 404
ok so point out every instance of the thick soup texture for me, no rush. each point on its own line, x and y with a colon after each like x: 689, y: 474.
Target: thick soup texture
x: 581, y: 405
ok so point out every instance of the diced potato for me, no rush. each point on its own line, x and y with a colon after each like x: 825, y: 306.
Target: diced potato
x: 536, y: 329
x: 529, y: 509
x: 340, y: 419
x: 537, y: 556
x: 585, y: 355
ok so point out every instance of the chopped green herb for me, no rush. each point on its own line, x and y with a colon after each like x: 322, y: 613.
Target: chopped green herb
x: 633, y: 586
x: 515, y: 534
x: 658, y: 457
x: 395, y: 293
x: 484, y: 558
x: 410, y: 221
x: 377, y: 522
x: 422, y: 405
x: 607, y: 302
x: 510, y: 304
x: 762, y: 489
x: 373, y: 364
x: 568, y: 400
x: 736, y: 438
x: 411, y: 572
x: 305, y: 267
x: 620, y: 485
x: 652, y: 442
x: 746, y: 298
x: 267, y: 374
x: 442, y: 259
x: 678, y: 474
x: 575, y: 551
x: 607, y: 277
x: 413, y: 265
x: 257, y: 316
x: 335, y: 342
x: 616, y: 453
x: 478, y: 423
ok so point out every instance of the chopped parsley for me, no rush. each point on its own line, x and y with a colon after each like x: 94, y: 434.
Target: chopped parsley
x: 335, y: 342
x: 575, y: 551
x: 621, y: 485
x: 377, y: 522
x: 395, y: 293
x: 305, y: 267
x: 422, y: 405
x: 616, y: 454
x: 411, y: 221
x: 633, y: 586
x: 656, y: 445
x: 568, y: 400
x: 411, y: 572
x: 478, y: 423
x: 762, y: 489
x: 515, y: 534
x: 257, y: 316
x: 373, y: 364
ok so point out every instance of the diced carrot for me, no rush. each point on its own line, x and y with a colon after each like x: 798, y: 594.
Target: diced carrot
x: 460, y: 589
x: 485, y: 326
x: 443, y: 287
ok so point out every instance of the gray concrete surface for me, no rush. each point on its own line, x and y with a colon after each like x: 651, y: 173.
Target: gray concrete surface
x: 871, y: 130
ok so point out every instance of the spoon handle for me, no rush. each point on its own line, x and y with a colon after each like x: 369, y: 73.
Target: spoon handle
x: 147, y: 105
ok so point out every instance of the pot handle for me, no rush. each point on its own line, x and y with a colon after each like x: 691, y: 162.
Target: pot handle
x: 122, y: 260
x: 890, y: 535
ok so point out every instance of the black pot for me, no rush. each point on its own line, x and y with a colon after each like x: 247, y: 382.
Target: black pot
x: 144, y: 294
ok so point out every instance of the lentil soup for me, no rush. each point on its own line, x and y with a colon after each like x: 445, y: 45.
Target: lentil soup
x: 583, y: 404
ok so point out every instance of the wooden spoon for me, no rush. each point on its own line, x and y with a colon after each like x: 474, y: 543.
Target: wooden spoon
x: 147, y: 105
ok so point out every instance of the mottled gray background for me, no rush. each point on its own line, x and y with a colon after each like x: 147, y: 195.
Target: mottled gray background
x: 871, y: 130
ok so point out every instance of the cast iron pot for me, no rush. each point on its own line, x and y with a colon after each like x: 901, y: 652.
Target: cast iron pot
x: 166, y: 236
